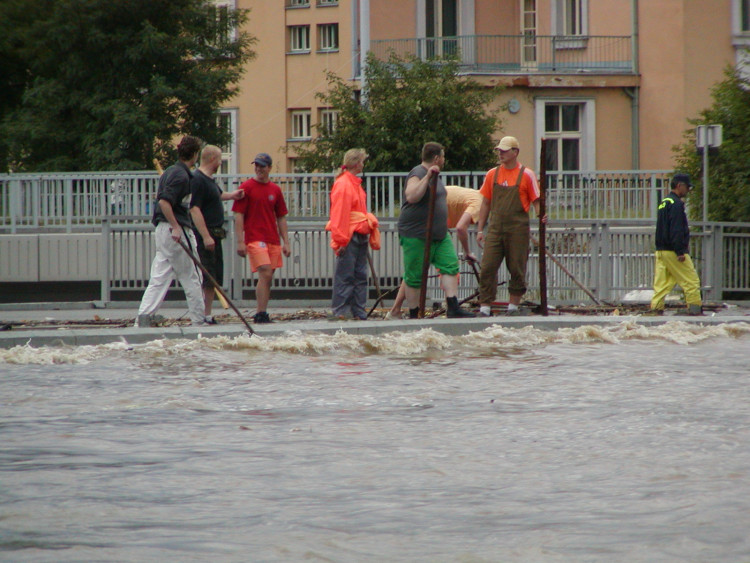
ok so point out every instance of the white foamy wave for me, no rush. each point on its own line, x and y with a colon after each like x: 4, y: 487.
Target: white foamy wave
x: 494, y: 339
x: 48, y: 355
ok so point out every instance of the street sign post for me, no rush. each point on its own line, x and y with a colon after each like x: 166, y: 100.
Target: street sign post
x: 706, y: 137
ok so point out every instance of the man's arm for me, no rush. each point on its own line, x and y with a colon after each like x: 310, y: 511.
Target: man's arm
x: 284, y: 232
x: 200, y: 225
x: 676, y: 230
x: 175, y: 228
x: 538, y: 210
x: 484, y: 212
x: 235, y: 195
x: 416, y: 188
x: 462, y: 230
x: 239, y: 229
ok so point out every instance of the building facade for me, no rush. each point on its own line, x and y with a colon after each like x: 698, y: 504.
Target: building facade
x: 610, y: 83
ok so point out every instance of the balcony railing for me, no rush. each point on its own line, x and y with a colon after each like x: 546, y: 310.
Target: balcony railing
x: 520, y: 54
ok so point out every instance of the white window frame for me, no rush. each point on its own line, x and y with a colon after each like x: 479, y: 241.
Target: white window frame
x: 329, y: 119
x: 328, y: 37
x: 588, y: 128
x: 299, y: 38
x: 560, y: 12
x: 297, y: 3
x: 741, y: 37
x: 301, y: 124
x: 229, y: 152
x: 326, y: 3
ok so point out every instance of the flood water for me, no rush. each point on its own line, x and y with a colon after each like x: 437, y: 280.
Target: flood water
x: 589, y: 444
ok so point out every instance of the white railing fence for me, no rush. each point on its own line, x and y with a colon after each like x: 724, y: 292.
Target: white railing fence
x: 71, y: 201
x: 611, y: 258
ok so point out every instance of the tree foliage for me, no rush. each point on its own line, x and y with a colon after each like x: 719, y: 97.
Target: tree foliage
x: 109, y: 84
x: 729, y: 166
x: 407, y: 102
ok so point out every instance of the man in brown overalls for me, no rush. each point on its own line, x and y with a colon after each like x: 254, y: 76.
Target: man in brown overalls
x: 509, y: 190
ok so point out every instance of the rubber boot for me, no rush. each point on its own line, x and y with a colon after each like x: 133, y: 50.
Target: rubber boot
x: 695, y: 310
x: 455, y: 311
x: 414, y: 313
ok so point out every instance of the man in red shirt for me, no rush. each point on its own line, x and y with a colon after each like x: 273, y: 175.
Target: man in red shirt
x: 509, y: 190
x: 261, y: 227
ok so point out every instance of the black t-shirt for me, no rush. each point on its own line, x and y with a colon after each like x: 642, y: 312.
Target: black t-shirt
x: 412, y: 221
x: 207, y: 198
x: 174, y: 187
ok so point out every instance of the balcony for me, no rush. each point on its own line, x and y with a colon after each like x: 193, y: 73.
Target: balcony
x: 520, y: 54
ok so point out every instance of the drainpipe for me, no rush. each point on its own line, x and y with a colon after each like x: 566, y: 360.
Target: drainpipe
x: 634, y: 93
x: 356, y: 70
x: 364, y: 44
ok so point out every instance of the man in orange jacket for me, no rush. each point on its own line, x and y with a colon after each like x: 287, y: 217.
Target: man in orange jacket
x: 352, y: 230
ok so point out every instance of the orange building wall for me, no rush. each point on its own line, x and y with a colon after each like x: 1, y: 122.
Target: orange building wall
x: 685, y: 46
x: 393, y: 19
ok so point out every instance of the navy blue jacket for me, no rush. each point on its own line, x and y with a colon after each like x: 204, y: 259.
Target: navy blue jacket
x: 672, y: 231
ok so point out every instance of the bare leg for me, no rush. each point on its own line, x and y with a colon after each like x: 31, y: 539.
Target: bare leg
x: 398, y: 303
x: 263, y: 287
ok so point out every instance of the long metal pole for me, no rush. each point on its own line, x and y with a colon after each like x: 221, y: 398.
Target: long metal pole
x: 432, y: 189
x: 216, y: 285
x: 543, y: 228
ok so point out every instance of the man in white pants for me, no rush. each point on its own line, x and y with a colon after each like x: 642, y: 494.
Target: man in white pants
x: 172, y: 220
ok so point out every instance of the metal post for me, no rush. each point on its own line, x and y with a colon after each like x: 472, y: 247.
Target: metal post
x: 594, y: 253
x: 68, y: 199
x: 705, y: 183
x: 716, y: 247
x: 105, y: 254
x: 605, y: 289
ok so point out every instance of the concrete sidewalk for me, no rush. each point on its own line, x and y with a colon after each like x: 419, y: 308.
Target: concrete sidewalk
x: 67, y: 335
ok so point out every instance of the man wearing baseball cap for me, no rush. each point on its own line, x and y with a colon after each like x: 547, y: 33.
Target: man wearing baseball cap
x: 262, y: 232
x: 673, y: 264
x: 509, y: 190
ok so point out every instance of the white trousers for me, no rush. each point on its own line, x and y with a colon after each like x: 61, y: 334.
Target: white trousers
x: 171, y: 261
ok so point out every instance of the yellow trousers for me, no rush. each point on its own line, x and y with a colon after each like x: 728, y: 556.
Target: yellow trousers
x: 669, y: 272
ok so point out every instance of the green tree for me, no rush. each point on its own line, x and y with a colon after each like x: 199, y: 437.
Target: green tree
x: 109, y: 84
x: 408, y: 102
x: 729, y: 166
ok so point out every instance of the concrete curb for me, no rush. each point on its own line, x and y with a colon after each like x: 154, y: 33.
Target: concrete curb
x: 452, y: 327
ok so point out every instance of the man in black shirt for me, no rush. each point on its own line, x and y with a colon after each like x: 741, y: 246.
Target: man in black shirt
x: 673, y: 263
x: 173, y: 224
x: 207, y: 211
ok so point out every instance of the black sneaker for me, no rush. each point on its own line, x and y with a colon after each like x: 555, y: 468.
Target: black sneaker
x: 211, y: 321
x: 459, y: 313
x: 454, y: 309
x: 262, y: 318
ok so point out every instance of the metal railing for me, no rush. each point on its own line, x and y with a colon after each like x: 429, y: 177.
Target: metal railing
x: 512, y: 54
x: 611, y: 258
x: 66, y: 202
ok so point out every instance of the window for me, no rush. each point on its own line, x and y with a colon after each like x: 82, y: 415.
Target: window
x: 569, y: 127
x: 562, y: 127
x: 570, y: 18
x: 741, y: 35
x: 219, y: 24
x: 328, y: 120
x: 297, y: 3
x: 299, y: 38
x: 323, y: 3
x: 228, y: 122
x: 328, y: 36
x: 528, y: 30
x: 301, y: 124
